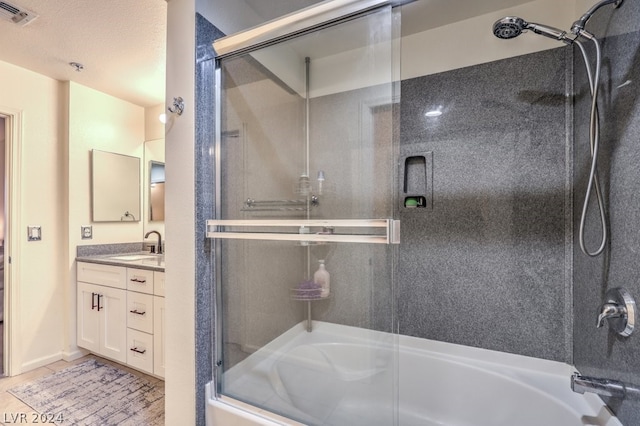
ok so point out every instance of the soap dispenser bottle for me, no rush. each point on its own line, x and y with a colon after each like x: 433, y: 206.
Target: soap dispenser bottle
x: 322, y: 278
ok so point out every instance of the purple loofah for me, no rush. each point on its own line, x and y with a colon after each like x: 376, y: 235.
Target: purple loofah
x: 307, y: 290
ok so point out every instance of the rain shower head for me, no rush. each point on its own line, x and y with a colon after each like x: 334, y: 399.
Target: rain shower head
x: 512, y: 26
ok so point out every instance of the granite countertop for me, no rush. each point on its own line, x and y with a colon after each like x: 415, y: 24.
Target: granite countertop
x: 139, y: 260
x: 129, y: 255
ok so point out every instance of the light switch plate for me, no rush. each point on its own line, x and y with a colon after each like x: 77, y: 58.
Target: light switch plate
x: 86, y: 231
x: 34, y: 233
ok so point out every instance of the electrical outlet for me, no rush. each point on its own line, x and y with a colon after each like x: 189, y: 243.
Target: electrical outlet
x: 34, y: 233
x: 86, y: 232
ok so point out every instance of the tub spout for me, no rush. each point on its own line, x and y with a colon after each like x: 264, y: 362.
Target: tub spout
x: 604, y: 387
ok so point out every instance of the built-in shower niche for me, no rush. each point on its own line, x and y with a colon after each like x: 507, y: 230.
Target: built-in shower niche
x: 416, y: 180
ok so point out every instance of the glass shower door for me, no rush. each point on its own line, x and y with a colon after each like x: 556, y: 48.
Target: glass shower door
x: 305, y: 236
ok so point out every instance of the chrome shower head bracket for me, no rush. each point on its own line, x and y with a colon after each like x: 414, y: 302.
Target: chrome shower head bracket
x: 579, y: 25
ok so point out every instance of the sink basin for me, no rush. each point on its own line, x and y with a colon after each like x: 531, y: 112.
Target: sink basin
x: 135, y: 257
x: 154, y: 262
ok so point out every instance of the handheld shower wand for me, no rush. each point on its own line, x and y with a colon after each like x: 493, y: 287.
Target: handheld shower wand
x: 511, y: 27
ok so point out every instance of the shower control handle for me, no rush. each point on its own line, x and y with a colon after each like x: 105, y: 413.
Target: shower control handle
x: 619, y: 311
x: 610, y: 310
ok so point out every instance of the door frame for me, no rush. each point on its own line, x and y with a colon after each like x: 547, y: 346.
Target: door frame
x: 13, y: 173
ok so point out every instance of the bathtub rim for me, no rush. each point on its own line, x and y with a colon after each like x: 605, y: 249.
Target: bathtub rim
x: 242, y: 410
x: 494, y: 361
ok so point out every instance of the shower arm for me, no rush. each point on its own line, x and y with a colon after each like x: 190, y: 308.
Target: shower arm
x: 578, y: 26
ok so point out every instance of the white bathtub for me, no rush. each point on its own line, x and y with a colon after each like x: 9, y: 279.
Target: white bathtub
x: 338, y: 375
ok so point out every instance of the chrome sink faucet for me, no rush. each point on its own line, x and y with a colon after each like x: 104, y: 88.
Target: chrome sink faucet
x: 159, y: 249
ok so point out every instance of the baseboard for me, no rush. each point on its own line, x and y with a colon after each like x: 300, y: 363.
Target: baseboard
x: 73, y: 355
x: 40, y: 362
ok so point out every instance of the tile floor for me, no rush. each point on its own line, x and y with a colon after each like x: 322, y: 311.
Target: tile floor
x: 12, y: 409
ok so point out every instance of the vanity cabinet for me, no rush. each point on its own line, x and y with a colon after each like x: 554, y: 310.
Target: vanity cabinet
x: 121, y: 315
x: 101, y: 312
x: 158, y: 337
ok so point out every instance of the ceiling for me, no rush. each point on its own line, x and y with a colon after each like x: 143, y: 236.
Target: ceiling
x: 121, y: 43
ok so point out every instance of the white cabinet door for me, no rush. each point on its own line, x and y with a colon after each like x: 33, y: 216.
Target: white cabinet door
x: 158, y: 336
x: 113, y: 324
x: 88, y: 318
x: 102, y: 321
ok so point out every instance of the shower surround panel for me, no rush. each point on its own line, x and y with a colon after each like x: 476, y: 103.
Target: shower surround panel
x: 488, y: 265
x: 598, y: 352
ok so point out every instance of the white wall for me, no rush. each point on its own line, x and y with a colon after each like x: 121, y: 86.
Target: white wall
x: 457, y: 45
x: 39, y: 266
x: 2, y: 182
x: 153, y: 150
x: 228, y: 16
x: 471, y: 42
x: 153, y: 128
x: 103, y: 122
x: 61, y: 123
x: 180, y: 218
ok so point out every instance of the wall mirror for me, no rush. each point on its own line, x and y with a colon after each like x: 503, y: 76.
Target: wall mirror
x: 115, y: 187
x: 156, y: 191
x: 154, y: 182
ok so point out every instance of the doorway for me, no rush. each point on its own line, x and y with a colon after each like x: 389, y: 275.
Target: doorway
x: 3, y: 138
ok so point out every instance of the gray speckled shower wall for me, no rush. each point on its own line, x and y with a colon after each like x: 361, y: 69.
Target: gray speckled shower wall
x: 495, y: 262
x: 596, y: 351
x: 488, y: 265
x: 205, y: 205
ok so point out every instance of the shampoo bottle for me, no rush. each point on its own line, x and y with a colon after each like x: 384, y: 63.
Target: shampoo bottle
x: 322, y: 278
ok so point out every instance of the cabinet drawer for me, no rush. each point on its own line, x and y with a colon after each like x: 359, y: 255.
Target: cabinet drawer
x: 140, y: 280
x: 107, y: 275
x: 158, y: 283
x: 140, y: 311
x: 140, y: 350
